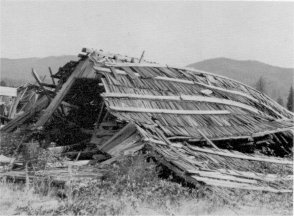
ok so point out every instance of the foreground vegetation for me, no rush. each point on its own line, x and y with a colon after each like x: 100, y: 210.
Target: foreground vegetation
x: 132, y: 187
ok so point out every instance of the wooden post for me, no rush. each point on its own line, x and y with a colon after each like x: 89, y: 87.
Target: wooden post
x: 51, y: 74
x: 142, y: 56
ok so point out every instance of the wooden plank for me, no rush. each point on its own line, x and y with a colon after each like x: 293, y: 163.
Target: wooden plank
x: 242, y: 156
x: 272, y: 131
x: 230, y: 184
x: 207, y: 86
x: 37, y: 78
x: 131, y: 74
x: 206, y: 138
x: 257, y: 176
x: 217, y: 175
x: 78, y: 72
x: 138, y: 96
x: 15, y: 103
x: 51, y: 75
x: 113, y: 70
x: 70, y: 105
x: 182, y: 98
x: 118, y: 137
x: 127, y: 143
x: 142, y: 56
x: 168, y: 111
x: 105, y: 85
x: 38, y: 106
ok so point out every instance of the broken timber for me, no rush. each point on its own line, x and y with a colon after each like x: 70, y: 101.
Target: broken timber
x: 83, y: 67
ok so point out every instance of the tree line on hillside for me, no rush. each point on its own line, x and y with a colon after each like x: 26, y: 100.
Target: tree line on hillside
x: 261, y: 86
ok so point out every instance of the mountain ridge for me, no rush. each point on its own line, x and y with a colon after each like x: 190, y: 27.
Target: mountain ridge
x: 18, y: 71
x: 278, y: 79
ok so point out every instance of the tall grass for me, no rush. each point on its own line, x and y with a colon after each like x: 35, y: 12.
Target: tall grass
x: 132, y: 187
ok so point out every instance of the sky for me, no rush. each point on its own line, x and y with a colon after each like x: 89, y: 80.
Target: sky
x: 177, y: 33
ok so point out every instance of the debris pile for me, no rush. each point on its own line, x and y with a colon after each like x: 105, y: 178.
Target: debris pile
x: 204, y: 127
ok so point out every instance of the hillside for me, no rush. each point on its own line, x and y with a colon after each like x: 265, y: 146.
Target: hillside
x: 278, y: 79
x: 19, y: 70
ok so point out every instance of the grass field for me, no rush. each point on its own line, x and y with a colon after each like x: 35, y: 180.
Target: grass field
x: 133, y: 188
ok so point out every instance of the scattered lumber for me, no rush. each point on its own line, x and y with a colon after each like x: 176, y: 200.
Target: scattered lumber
x: 39, y: 106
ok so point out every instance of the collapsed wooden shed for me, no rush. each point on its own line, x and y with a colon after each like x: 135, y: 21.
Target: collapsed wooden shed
x: 204, y: 127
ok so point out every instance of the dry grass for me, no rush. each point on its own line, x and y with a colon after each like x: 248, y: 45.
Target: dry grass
x: 16, y: 200
x: 133, y: 188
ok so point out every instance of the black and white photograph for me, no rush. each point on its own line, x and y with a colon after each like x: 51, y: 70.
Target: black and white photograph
x: 146, y: 107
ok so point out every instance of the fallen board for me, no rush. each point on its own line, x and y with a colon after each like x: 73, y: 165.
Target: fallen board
x: 59, y: 176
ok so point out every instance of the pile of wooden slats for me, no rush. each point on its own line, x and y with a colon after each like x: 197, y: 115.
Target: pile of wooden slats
x: 227, y: 168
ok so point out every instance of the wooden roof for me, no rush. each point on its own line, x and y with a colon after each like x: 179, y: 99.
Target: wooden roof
x: 188, y: 102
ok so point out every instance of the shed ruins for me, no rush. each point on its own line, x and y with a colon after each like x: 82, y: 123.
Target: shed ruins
x: 203, y: 127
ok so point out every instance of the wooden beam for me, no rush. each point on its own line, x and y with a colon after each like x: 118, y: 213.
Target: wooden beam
x: 41, y: 84
x: 70, y: 105
x: 207, y: 86
x: 107, y: 90
x: 272, y: 131
x: 182, y: 98
x: 142, y: 56
x: 78, y: 72
x: 51, y: 75
x: 206, y: 138
x: 37, y: 78
x: 169, y: 111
